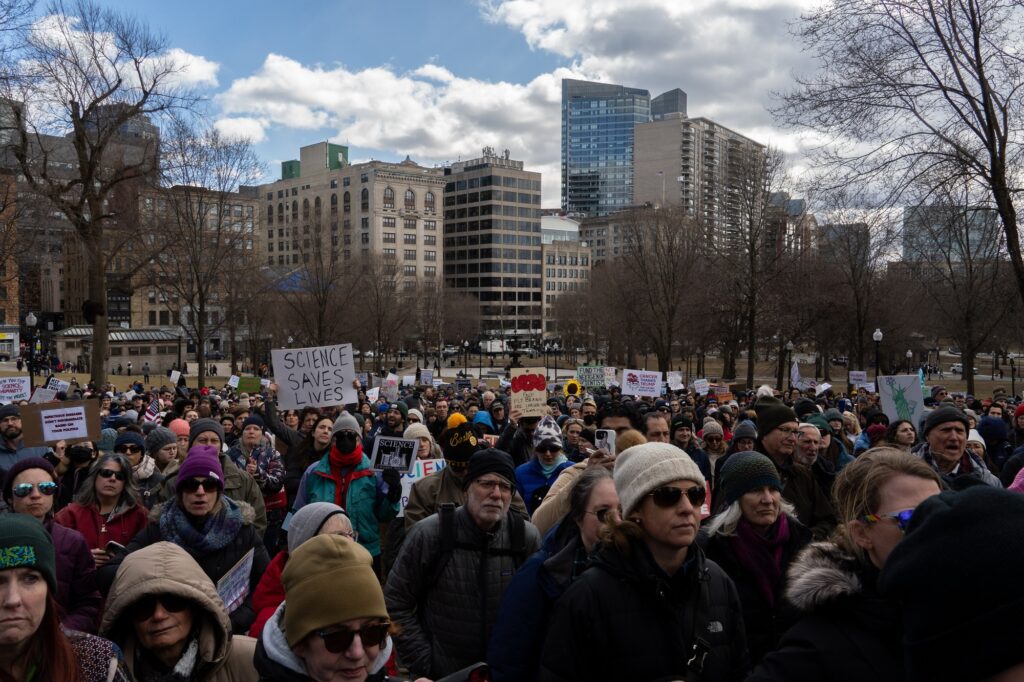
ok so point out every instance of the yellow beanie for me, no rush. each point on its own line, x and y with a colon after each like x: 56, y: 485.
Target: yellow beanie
x: 456, y: 419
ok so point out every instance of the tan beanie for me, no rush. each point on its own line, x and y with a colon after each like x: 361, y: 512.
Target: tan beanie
x: 642, y: 468
x: 328, y: 580
x: 417, y: 431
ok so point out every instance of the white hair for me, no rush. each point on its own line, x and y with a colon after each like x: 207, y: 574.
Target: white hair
x: 765, y: 391
x: 726, y: 521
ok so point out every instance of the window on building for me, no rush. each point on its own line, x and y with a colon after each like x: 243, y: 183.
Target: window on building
x: 409, y: 270
x: 317, y: 208
x: 364, y: 177
x: 334, y: 200
x: 410, y: 200
x: 365, y: 238
x: 389, y: 253
x: 345, y: 182
x: 305, y: 209
x: 410, y: 254
x: 430, y: 240
x: 430, y: 225
x: 295, y: 210
x: 388, y: 221
x: 346, y: 203
x: 409, y: 223
x: 429, y: 202
x: 364, y: 223
x: 334, y: 183
x: 430, y: 255
x: 430, y: 270
x: 409, y: 238
x: 389, y: 238
x: 165, y: 317
x: 364, y: 200
x: 389, y: 197
x: 270, y: 214
x: 152, y: 318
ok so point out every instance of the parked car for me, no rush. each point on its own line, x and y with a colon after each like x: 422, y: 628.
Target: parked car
x: 953, y: 350
x: 958, y: 368
x: 215, y: 355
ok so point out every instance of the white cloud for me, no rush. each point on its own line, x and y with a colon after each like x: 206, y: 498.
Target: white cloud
x: 196, y: 70
x: 244, y: 127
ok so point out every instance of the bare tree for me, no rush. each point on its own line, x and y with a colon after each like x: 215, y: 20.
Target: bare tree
x: 319, y: 291
x: 381, y: 314
x: 909, y: 88
x: 84, y: 83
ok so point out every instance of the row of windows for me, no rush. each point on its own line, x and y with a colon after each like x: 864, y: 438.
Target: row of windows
x: 473, y: 239
x: 143, y: 350
x: 562, y: 259
x: 572, y: 273
x: 429, y: 202
x: 492, y: 181
x: 505, y: 268
x: 561, y: 286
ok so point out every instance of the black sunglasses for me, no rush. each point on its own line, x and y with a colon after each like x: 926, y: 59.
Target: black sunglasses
x: 127, y: 449
x: 143, y: 609
x: 110, y: 473
x: 25, y: 489
x: 193, y: 484
x: 548, y: 448
x: 339, y: 640
x: 669, y: 496
x: 604, y: 513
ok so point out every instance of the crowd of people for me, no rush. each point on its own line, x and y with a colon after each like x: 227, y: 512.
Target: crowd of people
x: 210, y: 535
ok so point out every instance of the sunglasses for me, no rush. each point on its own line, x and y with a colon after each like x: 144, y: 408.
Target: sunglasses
x: 143, y: 609
x: 338, y: 641
x: 25, y: 489
x: 902, y: 518
x: 669, y: 496
x: 194, y: 484
x: 605, y: 514
x: 548, y: 448
x: 110, y: 473
x: 127, y: 449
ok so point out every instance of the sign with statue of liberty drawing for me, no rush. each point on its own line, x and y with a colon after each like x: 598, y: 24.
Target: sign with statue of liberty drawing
x: 901, y: 397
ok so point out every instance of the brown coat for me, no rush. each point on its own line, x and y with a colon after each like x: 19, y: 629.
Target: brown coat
x: 555, y: 504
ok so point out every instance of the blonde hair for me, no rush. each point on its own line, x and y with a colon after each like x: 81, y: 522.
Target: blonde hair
x: 851, y: 423
x: 628, y: 439
x: 857, y: 490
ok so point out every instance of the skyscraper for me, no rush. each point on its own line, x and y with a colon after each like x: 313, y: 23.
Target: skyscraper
x: 597, y: 145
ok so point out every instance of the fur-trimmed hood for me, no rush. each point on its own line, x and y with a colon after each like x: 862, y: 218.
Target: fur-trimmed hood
x: 821, y: 575
x: 246, y: 509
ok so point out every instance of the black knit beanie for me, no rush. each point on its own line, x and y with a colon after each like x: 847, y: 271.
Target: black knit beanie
x: 771, y: 414
x: 490, y: 461
x: 746, y: 471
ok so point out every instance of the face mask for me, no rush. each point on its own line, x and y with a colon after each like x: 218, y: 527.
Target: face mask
x: 79, y: 454
x: 589, y: 419
x: 345, y: 441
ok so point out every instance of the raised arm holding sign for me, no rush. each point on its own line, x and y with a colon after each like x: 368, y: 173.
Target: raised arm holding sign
x: 314, y: 377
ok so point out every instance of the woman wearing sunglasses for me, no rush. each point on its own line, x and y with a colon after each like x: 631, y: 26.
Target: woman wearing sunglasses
x: 846, y: 629
x: 320, y: 634
x: 534, y: 478
x: 165, y: 614
x: 31, y: 488
x: 650, y: 606
x: 518, y: 637
x: 107, y: 508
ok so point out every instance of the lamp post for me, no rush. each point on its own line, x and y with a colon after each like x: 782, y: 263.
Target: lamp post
x: 557, y: 350
x: 877, y: 337
x: 30, y: 323
x: 993, y: 365
x: 910, y: 359
x: 546, y: 350
x: 789, y: 364
x: 465, y: 358
x: 1013, y: 379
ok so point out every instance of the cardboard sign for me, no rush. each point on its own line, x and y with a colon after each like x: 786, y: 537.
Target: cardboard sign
x: 675, y: 381
x: 529, y: 391
x: 249, y: 384
x: 858, y: 376
x: 55, y: 384
x: 408, y: 379
x: 175, y: 375
x: 363, y: 378
x: 641, y: 382
x: 591, y: 376
x: 314, y: 377
x: 373, y: 395
x: 14, y: 389
x: 43, y: 395
x: 610, y: 377
x: 701, y: 386
x: 233, y: 587
x: 71, y: 421
x: 427, y: 377
x: 389, y: 388
x: 723, y: 397
x: 420, y: 470
x: 463, y: 385
x: 901, y: 397
x: 868, y: 386
x: 233, y: 381
x: 394, y: 453
x: 823, y: 387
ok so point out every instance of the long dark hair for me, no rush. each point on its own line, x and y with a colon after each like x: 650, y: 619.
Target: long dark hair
x: 307, y: 448
x: 49, y: 650
x: 130, y: 494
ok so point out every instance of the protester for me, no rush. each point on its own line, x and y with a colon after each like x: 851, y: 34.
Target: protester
x: 30, y: 488
x: 945, y: 449
x: 165, y: 614
x: 534, y: 479
x: 901, y: 435
x: 847, y: 631
x: 254, y: 454
x: 77, y: 461
x: 521, y: 627
x: 34, y: 646
x: 428, y: 447
x: 306, y: 452
x: 12, y: 443
x: 631, y: 615
x: 146, y: 478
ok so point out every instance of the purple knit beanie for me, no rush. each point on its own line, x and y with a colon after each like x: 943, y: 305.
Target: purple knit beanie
x: 203, y: 461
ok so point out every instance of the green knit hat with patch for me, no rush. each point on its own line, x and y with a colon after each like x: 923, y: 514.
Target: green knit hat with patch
x: 24, y: 543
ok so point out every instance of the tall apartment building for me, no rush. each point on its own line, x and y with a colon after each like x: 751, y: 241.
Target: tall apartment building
x: 598, y: 121
x: 492, y: 242
x: 605, y: 236
x: 566, y: 271
x: 699, y: 164
x: 386, y: 209
x: 958, y: 233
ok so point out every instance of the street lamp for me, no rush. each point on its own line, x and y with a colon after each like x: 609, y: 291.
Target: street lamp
x: 1013, y: 379
x: 557, y: 350
x: 465, y: 358
x: 910, y: 359
x: 789, y: 362
x: 30, y: 323
x: 877, y: 337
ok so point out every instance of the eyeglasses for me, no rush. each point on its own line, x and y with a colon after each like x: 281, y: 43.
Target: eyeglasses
x: 194, y: 484
x: 490, y: 484
x: 669, y: 496
x: 414, y: 420
x: 110, y: 473
x: 352, y: 535
x: 338, y: 641
x: 713, y: 439
x: 786, y: 433
x: 548, y: 448
x: 47, y: 488
x: 143, y: 609
x: 128, y: 449
x: 606, y: 514
x: 902, y: 518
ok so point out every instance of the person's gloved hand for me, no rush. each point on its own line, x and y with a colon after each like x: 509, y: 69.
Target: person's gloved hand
x: 394, y: 481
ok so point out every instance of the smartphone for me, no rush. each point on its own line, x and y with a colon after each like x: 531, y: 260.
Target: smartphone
x: 605, y: 440
x: 115, y: 548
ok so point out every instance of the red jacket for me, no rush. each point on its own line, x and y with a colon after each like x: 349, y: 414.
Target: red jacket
x: 98, y: 529
x: 269, y: 593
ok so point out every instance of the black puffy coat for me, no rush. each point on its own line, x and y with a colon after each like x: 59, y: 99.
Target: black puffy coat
x: 764, y: 622
x: 846, y: 633
x: 624, y: 619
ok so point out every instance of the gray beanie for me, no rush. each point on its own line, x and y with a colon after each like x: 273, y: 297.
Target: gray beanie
x: 160, y: 436
x: 745, y: 429
x: 642, y: 468
x: 202, y: 426
x: 345, y: 422
x: 308, y: 521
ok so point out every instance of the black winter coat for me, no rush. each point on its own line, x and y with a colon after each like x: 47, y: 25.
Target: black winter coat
x: 624, y: 619
x: 764, y: 622
x: 847, y: 631
x: 516, y: 443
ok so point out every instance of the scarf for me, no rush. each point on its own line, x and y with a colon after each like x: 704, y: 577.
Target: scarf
x: 144, y: 469
x: 343, y: 470
x: 548, y: 470
x: 761, y: 556
x: 149, y: 669
x: 217, y: 530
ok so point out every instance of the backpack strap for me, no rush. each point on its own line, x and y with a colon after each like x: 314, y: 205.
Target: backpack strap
x: 700, y: 648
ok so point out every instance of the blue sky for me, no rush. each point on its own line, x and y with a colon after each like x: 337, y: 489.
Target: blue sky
x: 440, y: 79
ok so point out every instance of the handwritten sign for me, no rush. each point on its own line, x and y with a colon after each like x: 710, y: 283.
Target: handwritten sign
x: 373, y: 395
x: 858, y: 376
x: 249, y: 384
x: 529, y: 391
x: 363, y: 378
x: 901, y: 397
x: 420, y: 470
x: 394, y: 453
x: 822, y: 388
x: 408, y: 379
x: 233, y: 381
x: 610, y: 374
x: 57, y: 385
x: 43, y: 395
x: 314, y: 377
x: 14, y: 389
x: 675, y: 381
x: 175, y: 375
x: 702, y: 386
x: 389, y: 388
x: 591, y: 376
x: 642, y: 383
x: 427, y: 377
x: 233, y: 587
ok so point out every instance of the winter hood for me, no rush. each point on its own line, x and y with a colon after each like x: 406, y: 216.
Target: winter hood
x: 821, y: 575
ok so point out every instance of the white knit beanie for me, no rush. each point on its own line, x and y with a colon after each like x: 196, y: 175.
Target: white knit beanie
x: 417, y: 431
x: 642, y: 468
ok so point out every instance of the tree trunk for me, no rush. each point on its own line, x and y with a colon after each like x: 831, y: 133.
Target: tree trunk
x: 751, y: 346
x: 100, y: 328
x: 967, y: 359
x: 201, y: 345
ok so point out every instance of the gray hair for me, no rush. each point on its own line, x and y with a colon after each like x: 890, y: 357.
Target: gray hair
x: 725, y: 522
x: 583, y: 488
x: 129, y: 496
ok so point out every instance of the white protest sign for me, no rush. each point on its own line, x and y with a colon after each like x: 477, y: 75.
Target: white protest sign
x: 641, y: 382
x: 14, y: 389
x: 394, y: 453
x: 438, y: 383
x: 65, y: 423
x: 314, y: 377
x: 868, y: 386
x: 233, y: 381
x: 264, y: 382
x: 675, y: 381
x: 610, y: 374
x: 43, y: 395
x: 427, y: 377
x: 175, y: 375
x: 233, y: 587
x: 858, y: 376
x: 389, y: 387
x: 901, y: 397
x: 362, y: 377
x: 702, y: 386
x: 591, y: 376
x: 824, y: 387
x: 529, y: 391
x: 57, y: 385
x: 420, y: 470
x: 373, y: 395
x: 408, y: 379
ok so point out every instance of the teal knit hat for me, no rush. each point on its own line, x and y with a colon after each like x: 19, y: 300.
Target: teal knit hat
x: 746, y: 471
x: 24, y: 543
